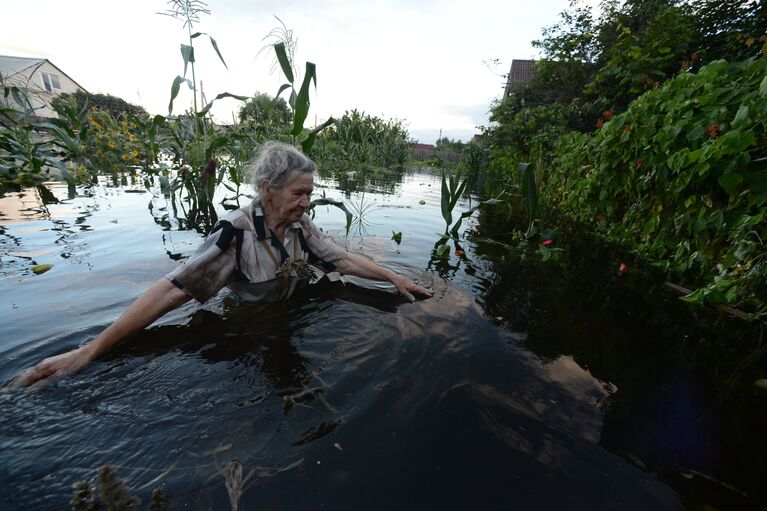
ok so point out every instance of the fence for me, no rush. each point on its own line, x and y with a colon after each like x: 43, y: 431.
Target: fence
x: 424, y: 153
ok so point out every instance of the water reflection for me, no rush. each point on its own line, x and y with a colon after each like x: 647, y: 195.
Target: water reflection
x: 372, y: 180
x: 674, y: 375
x: 29, y: 216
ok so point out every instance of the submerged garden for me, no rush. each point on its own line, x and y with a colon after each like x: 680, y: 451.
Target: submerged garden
x: 597, y: 257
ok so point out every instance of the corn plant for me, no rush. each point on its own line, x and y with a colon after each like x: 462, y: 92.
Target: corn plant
x: 194, y: 139
x: 452, y: 190
x: 284, y: 50
x: 453, y: 187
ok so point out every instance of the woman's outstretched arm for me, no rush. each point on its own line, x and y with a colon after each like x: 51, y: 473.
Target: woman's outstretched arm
x: 354, y: 264
x: 156, y: 301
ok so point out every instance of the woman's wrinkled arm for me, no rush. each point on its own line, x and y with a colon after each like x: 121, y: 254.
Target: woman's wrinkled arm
x: 156, y: 301
x: 357, y: 265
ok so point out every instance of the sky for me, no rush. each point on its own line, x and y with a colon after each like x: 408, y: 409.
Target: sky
x: 427, y: 63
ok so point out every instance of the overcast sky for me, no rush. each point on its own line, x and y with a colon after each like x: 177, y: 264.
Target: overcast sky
x: 419, y: 61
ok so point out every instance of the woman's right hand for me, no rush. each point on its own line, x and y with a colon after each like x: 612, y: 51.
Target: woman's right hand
x: 160, y: 298
x: 52, y: 368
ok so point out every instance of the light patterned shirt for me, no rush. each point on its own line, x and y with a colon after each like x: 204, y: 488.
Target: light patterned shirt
x: 244, y: 255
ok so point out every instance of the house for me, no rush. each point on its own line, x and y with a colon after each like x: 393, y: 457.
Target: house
x: 41, y: 80
x: 520, y: 76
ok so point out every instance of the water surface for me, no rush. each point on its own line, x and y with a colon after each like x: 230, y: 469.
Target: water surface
x: 521, y: 383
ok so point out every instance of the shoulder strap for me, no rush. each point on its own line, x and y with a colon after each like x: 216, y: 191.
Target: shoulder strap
x: 228, y: 234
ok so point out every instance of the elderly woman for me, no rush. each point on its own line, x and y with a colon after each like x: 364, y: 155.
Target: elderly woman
x: 260, y: 252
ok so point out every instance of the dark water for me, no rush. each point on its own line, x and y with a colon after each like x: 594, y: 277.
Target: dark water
x: 521, y: 384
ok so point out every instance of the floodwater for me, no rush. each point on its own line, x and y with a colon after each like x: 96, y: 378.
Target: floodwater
x: 522, y: 384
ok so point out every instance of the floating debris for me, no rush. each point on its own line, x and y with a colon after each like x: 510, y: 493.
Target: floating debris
x: 41, y: 268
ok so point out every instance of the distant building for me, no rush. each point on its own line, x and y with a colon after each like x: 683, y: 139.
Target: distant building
x: 41, y: 80
x: 520, y: 76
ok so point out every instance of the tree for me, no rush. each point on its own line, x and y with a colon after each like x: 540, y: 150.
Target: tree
x: 448, y: 144
x: 266, y: 114
x: 730, y: 29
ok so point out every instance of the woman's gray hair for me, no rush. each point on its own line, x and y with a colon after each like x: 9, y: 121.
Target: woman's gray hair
x: 278, y: 164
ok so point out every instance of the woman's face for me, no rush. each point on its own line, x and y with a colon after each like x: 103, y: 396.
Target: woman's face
x: 290, y: 202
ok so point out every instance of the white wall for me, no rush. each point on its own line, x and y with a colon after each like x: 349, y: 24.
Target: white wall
x: 40, y: 98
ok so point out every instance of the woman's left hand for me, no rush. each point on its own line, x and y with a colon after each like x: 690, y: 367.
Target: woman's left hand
x: 407, y: 287
x: 354, y: 264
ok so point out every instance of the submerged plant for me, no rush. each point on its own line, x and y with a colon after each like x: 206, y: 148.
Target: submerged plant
x: 453, y: 186
x: 452, y: 190
x: 113, y: 494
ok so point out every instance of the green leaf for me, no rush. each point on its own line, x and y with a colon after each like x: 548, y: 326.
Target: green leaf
x: 174, y: 90
x: 282, y: 88
x: 282, y: 58
x: 696, y: 133
x: 443, y: 251
x: 545, y: 252
x: 529, y: 193
x: 695, y: 297
x: 730, y: 181
x: 301, y: 109
x: 763, y: 87
x: 215, y: 144
x: 741, y: 116
x: 220, y: 96
x: 735, y: 141
x: 215, y: 47
x: 187, y: 53
x: 41, y: 268
x: 466, y: 214
x: 326, y: 201
x: 445, y: 200
x: 308, y: 143
x: 397, y: 237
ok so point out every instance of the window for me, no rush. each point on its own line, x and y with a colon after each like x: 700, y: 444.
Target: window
x: 51, y: 82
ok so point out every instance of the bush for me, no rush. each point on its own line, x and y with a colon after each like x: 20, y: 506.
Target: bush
x: 114, y: 106
x: 681, y: 177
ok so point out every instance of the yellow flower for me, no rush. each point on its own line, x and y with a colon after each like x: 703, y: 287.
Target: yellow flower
x: 125, y: 157
x: 134, y: 153
x: 133, y: 125
x: 111, y: 144
x: 136, y: 161
x: 131, y: 138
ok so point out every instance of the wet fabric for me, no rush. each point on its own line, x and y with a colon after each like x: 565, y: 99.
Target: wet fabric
x: 243, y: 254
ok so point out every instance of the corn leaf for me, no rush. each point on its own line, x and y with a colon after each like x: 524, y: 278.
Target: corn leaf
x: 301, y: 110
x: 282, y: 58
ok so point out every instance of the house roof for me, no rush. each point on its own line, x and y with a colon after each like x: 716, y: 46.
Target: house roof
x: 10, y: 66
x: 520, y: 75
